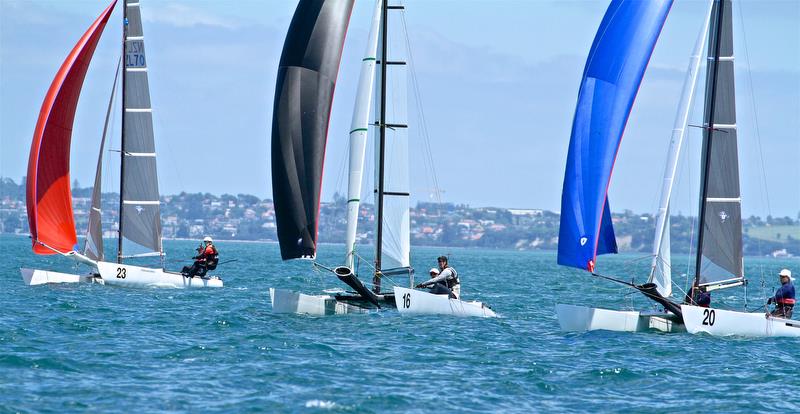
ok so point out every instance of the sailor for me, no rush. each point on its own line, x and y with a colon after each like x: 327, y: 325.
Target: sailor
x: 784, y: 296
x: 702, y: 298
x: 206, y: 259
x: 698, y: 296
x: 444, y: 280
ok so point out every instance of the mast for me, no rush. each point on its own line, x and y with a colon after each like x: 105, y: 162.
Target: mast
x: 122, y: 139
x: 376, y: 280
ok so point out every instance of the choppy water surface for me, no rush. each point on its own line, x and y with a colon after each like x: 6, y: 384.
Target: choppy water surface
x: 94, y: 348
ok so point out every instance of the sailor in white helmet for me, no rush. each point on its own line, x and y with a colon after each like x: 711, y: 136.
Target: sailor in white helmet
x: 206, y: 259
x: 444, y: 280
x: 784, y: 297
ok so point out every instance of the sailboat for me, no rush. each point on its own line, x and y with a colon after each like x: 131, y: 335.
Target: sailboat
x: 49, y: 198
x: 303, y: 98
x: 720, y: 263
x: 584, y: 235
x: 614, y: 70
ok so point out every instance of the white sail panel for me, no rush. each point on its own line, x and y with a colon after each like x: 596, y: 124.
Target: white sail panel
x: 660, y: 273
x: 140, y: 212
x: 359, y: 129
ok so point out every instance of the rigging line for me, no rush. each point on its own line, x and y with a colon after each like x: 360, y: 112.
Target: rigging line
x: 765, y: 189
x: 316, y: 269
x: 372, y: 267
x: 638, y: 259
x: 342, y: 167
x: 421, y: 111
x: 106, y: 183
x: 367, y: 262
x: 156, y: 115
x: 692, y: 220
x: 613, y: 279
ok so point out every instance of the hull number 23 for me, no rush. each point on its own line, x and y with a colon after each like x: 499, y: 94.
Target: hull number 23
x: 121, y: 272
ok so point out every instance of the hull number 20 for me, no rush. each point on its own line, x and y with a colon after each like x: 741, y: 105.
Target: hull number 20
x: 708, y: 317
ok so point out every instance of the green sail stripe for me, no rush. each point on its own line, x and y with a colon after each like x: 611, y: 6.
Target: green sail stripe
x: 352, y: 199
x: 368, y: 58
x: 359, y: 129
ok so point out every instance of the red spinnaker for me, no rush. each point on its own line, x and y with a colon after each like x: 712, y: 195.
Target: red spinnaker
x: 49, y: 197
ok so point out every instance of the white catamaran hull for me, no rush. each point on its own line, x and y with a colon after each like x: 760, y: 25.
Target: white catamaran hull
x: 720, y: 322
x: 117, y: 274
x: 581, y: 318
x: 410, y: 301
x: 33, y: 277
x: 286, y: 301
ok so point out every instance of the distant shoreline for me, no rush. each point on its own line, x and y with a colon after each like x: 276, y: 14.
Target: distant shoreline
x: 634, y: 253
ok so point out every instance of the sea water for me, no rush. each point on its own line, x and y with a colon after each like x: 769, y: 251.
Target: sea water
x: 86, y: 347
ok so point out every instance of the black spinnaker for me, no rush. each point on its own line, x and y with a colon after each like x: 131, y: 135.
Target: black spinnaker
x: 303, y: 96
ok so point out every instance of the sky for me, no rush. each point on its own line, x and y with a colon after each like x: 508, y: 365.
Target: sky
x: 498, y: 83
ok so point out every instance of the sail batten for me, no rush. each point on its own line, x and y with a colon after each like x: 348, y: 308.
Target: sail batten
x: 48, y: 192
x: 614, y: 69
x: 304, y: 89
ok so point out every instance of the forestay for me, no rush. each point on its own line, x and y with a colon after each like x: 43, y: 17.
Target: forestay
x: 140, y: 216
x: 48, y: 193
x: 614, y: 69
x: 720, y: 234
x: 303, y: 96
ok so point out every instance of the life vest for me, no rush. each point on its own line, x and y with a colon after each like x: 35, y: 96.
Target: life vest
x: 452, y: 281
x: 212, y: 257
x: 785, y: 295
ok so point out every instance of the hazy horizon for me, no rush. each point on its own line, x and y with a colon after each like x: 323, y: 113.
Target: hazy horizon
x: 499, y: 82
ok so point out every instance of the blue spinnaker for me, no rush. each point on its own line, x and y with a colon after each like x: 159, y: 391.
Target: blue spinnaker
x: 614, y: 69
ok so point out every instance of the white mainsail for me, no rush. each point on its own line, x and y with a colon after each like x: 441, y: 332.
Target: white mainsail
x: 660, y: 273
x: 359, y: 129
x: 396, y: 240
